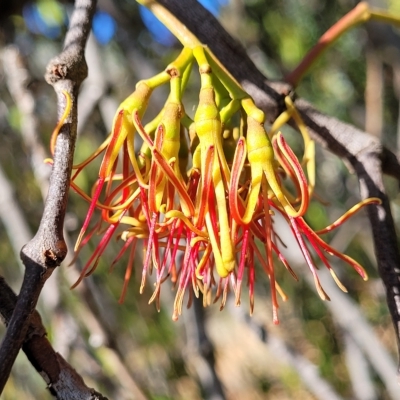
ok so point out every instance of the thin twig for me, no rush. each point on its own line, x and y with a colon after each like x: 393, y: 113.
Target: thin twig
x: 47, y: 249
x: 17, y: 79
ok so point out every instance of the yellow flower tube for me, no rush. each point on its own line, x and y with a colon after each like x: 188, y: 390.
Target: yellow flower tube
x: 209, y: 131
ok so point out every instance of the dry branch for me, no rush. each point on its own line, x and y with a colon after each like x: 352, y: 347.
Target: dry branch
x: 47, y: 249
x: 62, y: 380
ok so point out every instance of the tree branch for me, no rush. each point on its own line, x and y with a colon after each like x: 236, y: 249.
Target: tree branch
x: 63, y: 381
x: 47, y: 249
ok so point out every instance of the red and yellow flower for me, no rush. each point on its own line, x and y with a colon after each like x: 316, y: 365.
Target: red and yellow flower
x: 201, y: 195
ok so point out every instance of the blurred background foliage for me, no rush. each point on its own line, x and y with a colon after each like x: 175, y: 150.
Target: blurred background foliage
x: 118, y: 348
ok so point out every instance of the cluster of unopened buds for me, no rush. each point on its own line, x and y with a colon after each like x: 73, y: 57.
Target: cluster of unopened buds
x: 201, y: 194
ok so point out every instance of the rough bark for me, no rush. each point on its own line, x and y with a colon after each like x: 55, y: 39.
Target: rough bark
x: 47, y: 249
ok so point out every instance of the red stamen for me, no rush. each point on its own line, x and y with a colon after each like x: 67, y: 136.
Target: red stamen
x: 179, y: 186
x: 237, y: 167
x: 89, y: 214
x: 129, y: 269
x: 138, y: 125
x: 206, y: 187
x: 307, y: 256
x: 150, y: 244
x: 110, y: 154
x: 348, y: 214
x: 360, y: 270
x: 88, y: 268
x: 298, y: 170
x: 284, y: 261
x: 241, y: 265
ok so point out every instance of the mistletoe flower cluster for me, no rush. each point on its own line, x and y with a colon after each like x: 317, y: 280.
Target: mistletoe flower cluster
x: 201, y: 194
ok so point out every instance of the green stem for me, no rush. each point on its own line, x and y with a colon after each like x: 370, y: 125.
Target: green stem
x: 180, y: 64
x: 386, y: 17
x: 186, y: 75
x: 231, y: 84
x: 252, y: 110
x: 222, y: 96
x: 172, y: 23
x: 157, y: 80
x: 227, y: 112
x: 182, y: 33
x: 175, y: 94
x: 357, y: 15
